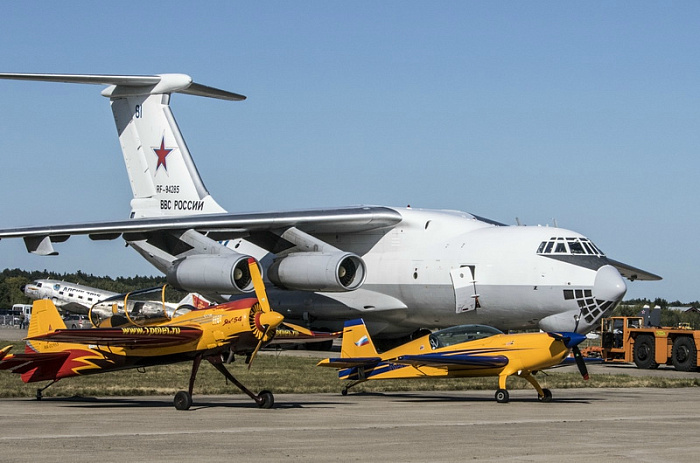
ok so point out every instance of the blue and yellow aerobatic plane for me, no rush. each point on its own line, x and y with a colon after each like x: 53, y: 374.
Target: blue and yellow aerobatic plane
x: 214, y: 334
x: 457, y: 352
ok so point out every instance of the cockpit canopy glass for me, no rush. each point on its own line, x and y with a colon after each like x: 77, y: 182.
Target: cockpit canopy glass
x: 570, y: 246
x: 462, y: 333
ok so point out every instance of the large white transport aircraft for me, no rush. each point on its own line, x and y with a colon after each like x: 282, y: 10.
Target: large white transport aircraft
x: 401, y: 269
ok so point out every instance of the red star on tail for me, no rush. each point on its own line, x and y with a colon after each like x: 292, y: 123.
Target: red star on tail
x: 162, y: 153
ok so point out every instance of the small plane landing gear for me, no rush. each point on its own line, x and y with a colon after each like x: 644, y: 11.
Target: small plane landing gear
x: 265, y: 399
x: 546, y: 396
x: 344, y: 391
x: 502, y: 396
x: 40, y: 391
x: 183, y: 400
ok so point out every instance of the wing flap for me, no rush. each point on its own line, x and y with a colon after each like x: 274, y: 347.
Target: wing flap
x: 131, y: 336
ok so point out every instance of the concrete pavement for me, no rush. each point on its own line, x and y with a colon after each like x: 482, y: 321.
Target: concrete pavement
x: 634, y: 424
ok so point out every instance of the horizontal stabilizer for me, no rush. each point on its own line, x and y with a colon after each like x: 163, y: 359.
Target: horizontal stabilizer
x: 22, y: 363
x: 339, y: 362
x: 137, y: 85
x: 131, y: 336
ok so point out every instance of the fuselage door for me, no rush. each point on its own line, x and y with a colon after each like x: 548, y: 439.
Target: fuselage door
x: 464, y: 284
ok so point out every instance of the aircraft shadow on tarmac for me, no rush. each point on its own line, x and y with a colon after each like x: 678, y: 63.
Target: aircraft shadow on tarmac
x: 427, y: 398
x: 203, y: 403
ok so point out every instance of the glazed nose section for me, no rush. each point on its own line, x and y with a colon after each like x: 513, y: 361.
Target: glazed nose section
x: 608, y: 284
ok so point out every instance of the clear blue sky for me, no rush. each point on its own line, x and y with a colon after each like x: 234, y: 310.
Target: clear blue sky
x: 586, y: 113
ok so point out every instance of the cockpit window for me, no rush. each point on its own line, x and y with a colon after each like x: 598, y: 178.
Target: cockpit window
x: 459, y: 334
x: 568, y: 245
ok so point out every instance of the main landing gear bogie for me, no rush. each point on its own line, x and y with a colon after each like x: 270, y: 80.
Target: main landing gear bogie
x: 502, y: 396
x: 183, y: 399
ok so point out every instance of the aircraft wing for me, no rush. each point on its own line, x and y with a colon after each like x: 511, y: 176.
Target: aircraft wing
x: 633, y: 273
x: 349, y: 362
x: 289, y: 333
x: 216, y: 226
x: 131, y: 336
x: 450, y: 360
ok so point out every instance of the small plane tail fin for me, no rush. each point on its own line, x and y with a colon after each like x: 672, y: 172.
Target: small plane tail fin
x: 163, y: 177
x: 356, y: 340
x: 45, y: 318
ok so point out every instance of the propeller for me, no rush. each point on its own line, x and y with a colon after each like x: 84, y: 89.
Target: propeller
x: 580, y: 362
x: 572, y: 340
x: 263, y: 320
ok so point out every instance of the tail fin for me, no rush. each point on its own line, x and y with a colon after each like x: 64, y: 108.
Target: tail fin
x: 163, y: 176
x: 356, y: 340
x: 45, y: 318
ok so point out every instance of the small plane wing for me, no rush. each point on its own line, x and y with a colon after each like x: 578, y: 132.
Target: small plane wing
x: 130, y: 336
x: 349, y: 362
x: 289, y: 333
x: 450, y: 360
x: 216, y: 226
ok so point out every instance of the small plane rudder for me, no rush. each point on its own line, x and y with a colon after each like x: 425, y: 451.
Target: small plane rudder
x: 45, y: 318
x: 356, y: 340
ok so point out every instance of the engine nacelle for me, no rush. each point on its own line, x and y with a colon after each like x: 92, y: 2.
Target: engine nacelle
x: 224, y: 274
x: 318, y: 271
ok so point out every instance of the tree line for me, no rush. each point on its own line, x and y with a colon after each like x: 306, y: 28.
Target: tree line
x: 12, y: 280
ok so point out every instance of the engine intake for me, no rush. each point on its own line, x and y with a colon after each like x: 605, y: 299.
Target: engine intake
x: 317, y: 271
x: 225, y: 274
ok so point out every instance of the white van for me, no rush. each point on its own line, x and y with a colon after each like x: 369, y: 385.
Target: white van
x: 25, y: 309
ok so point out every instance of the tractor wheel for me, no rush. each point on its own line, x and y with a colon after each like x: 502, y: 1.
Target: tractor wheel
x: 644, y: 352
x: 684, y: 354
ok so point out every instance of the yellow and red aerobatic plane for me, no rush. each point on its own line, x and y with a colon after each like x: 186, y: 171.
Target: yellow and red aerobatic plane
x: 214, y: 334
x: 457, y: 352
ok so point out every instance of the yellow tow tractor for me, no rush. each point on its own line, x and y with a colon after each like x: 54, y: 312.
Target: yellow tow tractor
x: 626, y: 339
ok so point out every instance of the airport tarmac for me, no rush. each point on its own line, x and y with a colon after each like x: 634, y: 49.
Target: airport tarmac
x: 637, y: 424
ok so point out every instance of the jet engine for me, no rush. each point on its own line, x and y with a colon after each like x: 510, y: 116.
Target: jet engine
x: 318, y: 271
x: 224, y: 274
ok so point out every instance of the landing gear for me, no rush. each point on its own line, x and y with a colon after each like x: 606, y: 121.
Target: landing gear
x: 546, y: 396
x: 183, y: 399
x: 502, y: 396
x: 40, y: 391
x: 344, y: 391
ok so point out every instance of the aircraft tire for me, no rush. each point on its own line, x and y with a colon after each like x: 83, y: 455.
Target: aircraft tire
x: 684, y: 354
x: 502, y: 396
x: 267, y: 400
x: 644, y: 352
x: 183, y: 400
x: 547, y: 397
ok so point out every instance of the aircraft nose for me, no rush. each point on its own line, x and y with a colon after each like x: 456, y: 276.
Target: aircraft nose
x: 608, y: 284
x: 574, y: 339
x: 21, y: 288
